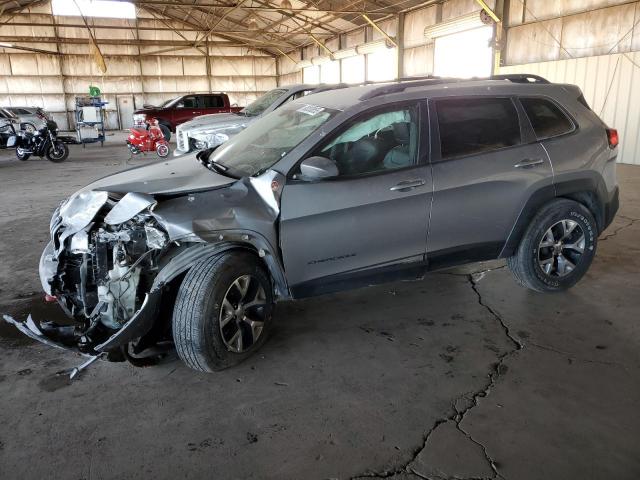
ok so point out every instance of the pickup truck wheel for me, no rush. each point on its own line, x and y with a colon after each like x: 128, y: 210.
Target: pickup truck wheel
x: 557, y: 248
x: 222, y: 312
x: 166, y: 131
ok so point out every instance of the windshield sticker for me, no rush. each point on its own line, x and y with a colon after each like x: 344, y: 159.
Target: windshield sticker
x: 310, y: 109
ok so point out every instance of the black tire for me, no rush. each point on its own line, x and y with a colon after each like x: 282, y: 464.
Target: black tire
x: 197, y: 313
x: 22, y: 156
x: 166, y: 131
x: 525, y: 264
x: 57, y: 153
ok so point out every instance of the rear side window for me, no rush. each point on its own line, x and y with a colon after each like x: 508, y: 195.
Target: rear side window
x: 546, y: 118
x: 213, y: 101
x: 475, y: 125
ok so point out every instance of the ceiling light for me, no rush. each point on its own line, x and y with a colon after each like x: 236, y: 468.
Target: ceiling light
x: 458, y: 24
x: 286, y: 5
x: 372, y: 47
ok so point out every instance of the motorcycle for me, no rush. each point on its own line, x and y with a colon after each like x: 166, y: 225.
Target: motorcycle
x: 141, y: 141
x: 42, y: 143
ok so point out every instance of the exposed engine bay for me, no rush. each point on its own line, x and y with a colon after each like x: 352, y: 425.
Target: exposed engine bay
x: 101, y: 261
x: 120, y: 247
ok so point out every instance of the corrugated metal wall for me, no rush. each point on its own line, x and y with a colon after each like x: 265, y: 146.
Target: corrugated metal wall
x: 142, y: 72
x: 611, y: 85
x: 590, y: 43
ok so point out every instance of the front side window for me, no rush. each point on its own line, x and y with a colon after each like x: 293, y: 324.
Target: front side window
x: 188, y: 102
x: 546, y: 118
x: 258, y: 148
x: 375, y: 143
x: 476, y: 125
x: 258, y: 106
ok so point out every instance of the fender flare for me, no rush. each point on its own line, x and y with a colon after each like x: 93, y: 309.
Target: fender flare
x: 184, y: 260
x: 590, y: 191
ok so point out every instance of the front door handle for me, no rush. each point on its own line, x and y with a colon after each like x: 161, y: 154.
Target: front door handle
x: 529, y: 162
x: 407, y: 185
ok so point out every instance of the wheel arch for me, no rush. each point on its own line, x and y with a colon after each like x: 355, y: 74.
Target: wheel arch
x: 187, y: 258
x: 589, y: 191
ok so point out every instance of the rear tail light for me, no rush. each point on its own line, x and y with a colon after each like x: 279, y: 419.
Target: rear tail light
x: 612, y: 136
x: 50, y: 298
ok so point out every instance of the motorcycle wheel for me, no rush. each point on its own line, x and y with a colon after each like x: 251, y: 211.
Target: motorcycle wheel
x: 21, y: 155
x: 57, y: 153
x: 162, y: 149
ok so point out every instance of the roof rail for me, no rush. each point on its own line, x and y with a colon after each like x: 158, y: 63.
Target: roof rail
x: 332, y: 86
x: 402, y: 84
x: 520, y: 78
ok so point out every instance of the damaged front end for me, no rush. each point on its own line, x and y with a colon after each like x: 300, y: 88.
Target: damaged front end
x: 100, y: 266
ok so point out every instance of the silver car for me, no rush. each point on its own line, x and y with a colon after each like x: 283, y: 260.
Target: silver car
x: 31, y: 119
x: 208, y: 131
x: 342, y: 189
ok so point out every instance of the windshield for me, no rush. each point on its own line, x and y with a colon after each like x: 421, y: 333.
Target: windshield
x: 168, y: 102
x: 258, y: 106
x: 266, y: 141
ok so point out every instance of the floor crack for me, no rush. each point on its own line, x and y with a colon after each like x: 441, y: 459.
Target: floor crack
x: 457, y: 416
x: 630, y: 221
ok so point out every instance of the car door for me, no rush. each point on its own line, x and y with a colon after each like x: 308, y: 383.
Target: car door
x: 212, y: 104
x: 486, y: 165
x: 187, y: 108
x: 369, y: 223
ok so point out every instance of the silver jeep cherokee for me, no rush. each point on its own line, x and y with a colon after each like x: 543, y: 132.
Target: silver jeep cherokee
x: 347, y: 188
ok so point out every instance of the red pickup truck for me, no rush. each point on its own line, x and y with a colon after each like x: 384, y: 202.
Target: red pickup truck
x: 182, y: 109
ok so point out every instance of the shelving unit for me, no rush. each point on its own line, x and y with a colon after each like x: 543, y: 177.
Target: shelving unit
x: 89, y: 116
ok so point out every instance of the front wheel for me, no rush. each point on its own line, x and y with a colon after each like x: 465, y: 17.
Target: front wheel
x: 223, y: 311
x: 162, y: 149
x: 58, y: 152
x: 22, y: 156
x: 557, y: 249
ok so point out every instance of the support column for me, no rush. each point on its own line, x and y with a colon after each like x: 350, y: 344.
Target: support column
x: 400, y: 42
x: 62, y: 77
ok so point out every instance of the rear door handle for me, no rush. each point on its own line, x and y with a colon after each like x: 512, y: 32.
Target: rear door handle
x: 407, y: 185
x: 529, y: 162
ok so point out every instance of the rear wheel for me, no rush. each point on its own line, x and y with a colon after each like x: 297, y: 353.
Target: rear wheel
x: 166, y: 131
x: 58, y: 152
x: 557, y: 248
x: 20, y: 153
x: 223, y: 311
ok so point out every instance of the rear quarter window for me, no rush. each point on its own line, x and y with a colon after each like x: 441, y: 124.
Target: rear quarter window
x: 476, y: 125
x: 213, y: 101
x: 546, y: 118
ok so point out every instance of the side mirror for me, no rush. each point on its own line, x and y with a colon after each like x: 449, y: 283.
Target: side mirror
x: 318, y: 168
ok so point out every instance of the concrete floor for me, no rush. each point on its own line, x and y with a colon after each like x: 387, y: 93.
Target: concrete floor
x: 462, y: 375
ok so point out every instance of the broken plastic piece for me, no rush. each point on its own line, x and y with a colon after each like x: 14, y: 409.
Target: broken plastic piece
x: 73, y: 372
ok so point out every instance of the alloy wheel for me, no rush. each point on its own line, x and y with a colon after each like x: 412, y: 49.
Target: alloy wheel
x: 243, y: 312
x: 561, y: 248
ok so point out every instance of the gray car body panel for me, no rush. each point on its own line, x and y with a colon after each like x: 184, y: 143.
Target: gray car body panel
x: 319, y: 236
x: 31, y: 118
x: 231, y: 124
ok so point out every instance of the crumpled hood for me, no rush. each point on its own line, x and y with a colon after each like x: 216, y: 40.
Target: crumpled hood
x: 179, y: 175
x: 204, y: 122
